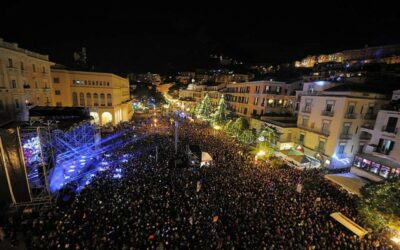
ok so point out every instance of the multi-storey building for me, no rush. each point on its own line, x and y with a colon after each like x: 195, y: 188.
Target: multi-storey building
x: 330, y: 119
x: 261, y: 97
x: 379, y: 154
x: 195, y: 93
x: 106, y: 95
x: 24, y: 82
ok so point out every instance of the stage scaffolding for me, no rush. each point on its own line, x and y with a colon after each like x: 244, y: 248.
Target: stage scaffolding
x: 45, y: 147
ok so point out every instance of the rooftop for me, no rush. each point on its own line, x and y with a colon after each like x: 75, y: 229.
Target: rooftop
x: 14, y: 46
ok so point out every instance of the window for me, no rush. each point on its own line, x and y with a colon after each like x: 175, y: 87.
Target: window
x: 16, y: 103
x: 74, y: 99
x: 109, y: 101
x: 82, y: 99
x: 57, y: 92
x: 44, y: 69
x: 89, y: 99
x: 256, y: 101
x: 326, y: 126
x: 10, y: 63
x: 360, y: 148
x: 37, y: 100
x: 329, y: 106
x: 102, y: 100
x: 391, y: 125
x: 346, y: 128
x: 33, y: 67
x: 305, y: 121
x: 351, y: 108
x: 36, y: 85
x: 13, y: 84
x: 257, y: 89
x: 95, y: 99
x: 301, y: 139
x: 384, y: 171
x: 254, y: 111
x: 22, y: 66
x: 58, y: 104
x: 47, y: 101
x: 56, y: 80
x: 321, y: 145
x: 341, y: 148
x: 370, y: 110
x: 278, y: 89
x: 385, y: 146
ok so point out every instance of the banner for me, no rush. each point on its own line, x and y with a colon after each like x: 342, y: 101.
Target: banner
x: 13, y: 163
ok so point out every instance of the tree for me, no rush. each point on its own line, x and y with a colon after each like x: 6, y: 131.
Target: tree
x: 269, y: 135
x: 205, y: 108
x: 380, y: 206
x: 247, y: 136
x: 228, y: 127
x: 222, y: 112
x: 239, y: 126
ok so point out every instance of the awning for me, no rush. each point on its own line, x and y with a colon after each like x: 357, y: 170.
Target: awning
x: 350, y: 182
x: 349, y: 224
x: 205, y: 157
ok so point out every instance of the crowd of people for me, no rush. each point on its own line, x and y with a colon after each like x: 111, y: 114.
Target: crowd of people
x: 236, y: 203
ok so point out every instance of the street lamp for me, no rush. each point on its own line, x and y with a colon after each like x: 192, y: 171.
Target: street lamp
x: 261, y: 153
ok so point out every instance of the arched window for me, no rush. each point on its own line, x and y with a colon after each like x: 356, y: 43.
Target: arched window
x: 102, y: 100
x: 74, y: 99
x: 82, y: 99
x: 96, y: 99
x: 89, y: 99
x: 109, y: 101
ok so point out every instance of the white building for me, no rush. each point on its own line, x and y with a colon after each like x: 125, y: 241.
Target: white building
x: 24, y: 82
x: 380, y: 156
x: 330, y: 119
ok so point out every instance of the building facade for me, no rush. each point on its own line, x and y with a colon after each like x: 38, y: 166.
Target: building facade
x: 106, y: 95
x: 259, y: 98
x: 24, y: 82
x: 330, y: 119
x: 379, y: 157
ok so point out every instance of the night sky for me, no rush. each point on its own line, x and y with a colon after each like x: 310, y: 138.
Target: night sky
x: 123, y: 38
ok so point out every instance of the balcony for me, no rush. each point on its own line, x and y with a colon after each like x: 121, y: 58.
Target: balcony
x: 345, y: 136
x: 323, y: 132
x: 306, y: 110
x: 370, y: 116
x: 350, y: 116
x: 327, y: 113
x: 367, y: 126
x: 391, y: 130
x: 365, y: 136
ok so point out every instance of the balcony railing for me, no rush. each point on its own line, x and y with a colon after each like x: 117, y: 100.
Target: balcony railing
x: 370, y: 116
x: 367, y: 126
x: 387, y: 129
x: 323, y: 132
x: 365, y: 136
x: 350, y: 116
x: 306, y: 110
x: 327, y: 113
x: 346, y: 136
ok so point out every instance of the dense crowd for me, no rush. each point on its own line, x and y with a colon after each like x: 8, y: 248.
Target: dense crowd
x: 236, y: 203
